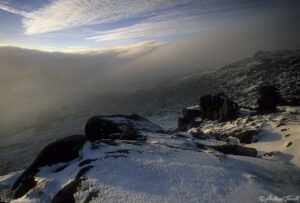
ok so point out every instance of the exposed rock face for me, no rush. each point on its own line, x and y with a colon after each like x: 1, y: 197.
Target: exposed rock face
x: 111, y: 127
x: 63, y: 150
x: 218, y: 107
x: 246, y: 136
x: 131, y: 134
x: 231, y: 149
x: 66, y: 194
x: 268, y: 99
x: 98, y: 128
x: 189, y: 114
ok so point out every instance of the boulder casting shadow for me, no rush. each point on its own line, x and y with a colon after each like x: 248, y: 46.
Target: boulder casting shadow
x: 268, y: 100
x: 63, y: 150
x: 218, y: 107
x: 118, y: 126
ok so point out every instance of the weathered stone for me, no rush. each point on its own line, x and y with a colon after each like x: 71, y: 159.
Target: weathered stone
x: 131, y: 134
x: 63, y: 150
x: 218, y: 107
x: 246, y: 136
x: 188, y: 119
x: 111, y: 127
x: 268, y: 99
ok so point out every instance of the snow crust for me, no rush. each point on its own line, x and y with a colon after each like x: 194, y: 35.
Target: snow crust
x: 170, y: 168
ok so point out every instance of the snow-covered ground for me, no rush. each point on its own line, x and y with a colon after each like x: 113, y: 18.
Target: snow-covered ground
x: 281, y: 135
x: 171, y: 168
x: 278, y: 133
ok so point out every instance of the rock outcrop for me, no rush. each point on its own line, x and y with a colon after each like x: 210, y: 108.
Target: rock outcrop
x: 188, y: 118
x: 218, y: 107
x: 268, y: 99
x: 111, y: 127
x: 246, y: 136
x: 63, y: 150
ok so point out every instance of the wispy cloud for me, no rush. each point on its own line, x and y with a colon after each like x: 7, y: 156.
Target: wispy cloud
x: 12, y: 10
x: 125, y: 51
x: 150, y: 15
x: 63, y: 14
x: 152, y: 29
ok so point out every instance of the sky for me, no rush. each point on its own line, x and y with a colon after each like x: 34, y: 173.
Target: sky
x: 59, y: 25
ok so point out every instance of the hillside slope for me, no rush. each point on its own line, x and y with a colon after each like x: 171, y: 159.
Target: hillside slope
x: 239, y: 80
x: 171, y: 167
x: 202, y: 164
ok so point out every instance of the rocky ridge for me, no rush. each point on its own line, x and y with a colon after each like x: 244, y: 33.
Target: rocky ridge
x: 111, y: 140
x: 219, y: 142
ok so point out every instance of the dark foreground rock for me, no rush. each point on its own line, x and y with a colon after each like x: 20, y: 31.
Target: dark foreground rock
x: 111, y: 127
x: 188, y: 116
x: 131, y: 134
x: 246, y: 136
x: 66, y: 194
x: 268, y: 99
x: 218, y: 107
x: 231, y: 149
x: 63, y: 150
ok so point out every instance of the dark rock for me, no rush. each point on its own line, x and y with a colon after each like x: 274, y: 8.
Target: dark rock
x: 289, y: 144
x: 115, y: 156
x: 236, y: 150
x: 98, y: 128
x: 231, y: 149
x: 119, y: 151
x: 66, y: 194
x: 218, y: 107
x: 292, y: 102
x: 27, y: 183
x: 182, y: 124
x: 284, y: 129
x: 63, y: 150
x: 91, y: 196
x: 85, y: 162
x: 268, y: 99
x: 280, y: 124
x: 194, y: 123
x: 274, y: 153
x: 200, y: 135
x: 267, y: 154
x: 206, y: 107
x: 246, y: 136
x: 60, y: 168
x: 111, y: 127
x: 181, y: 135
x: 189, y: 114
x: 228, y: 111
x: 131, y: 134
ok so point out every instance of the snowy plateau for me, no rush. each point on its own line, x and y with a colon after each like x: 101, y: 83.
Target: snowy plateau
x: 206, y: 162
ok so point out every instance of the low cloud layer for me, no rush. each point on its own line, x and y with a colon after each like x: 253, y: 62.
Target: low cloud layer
x: 34, y: 81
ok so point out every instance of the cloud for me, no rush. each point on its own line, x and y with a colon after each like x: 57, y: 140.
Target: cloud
x: 146, y: 15
x: 128, y: 51
x: 33, y: 82
x: 12, y: 10
x: 152, y: 29
x: 63, y: 14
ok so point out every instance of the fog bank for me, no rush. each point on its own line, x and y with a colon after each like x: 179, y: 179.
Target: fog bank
x: 33, y: 82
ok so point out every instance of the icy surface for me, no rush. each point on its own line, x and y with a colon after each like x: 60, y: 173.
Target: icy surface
x: 171, y: 168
